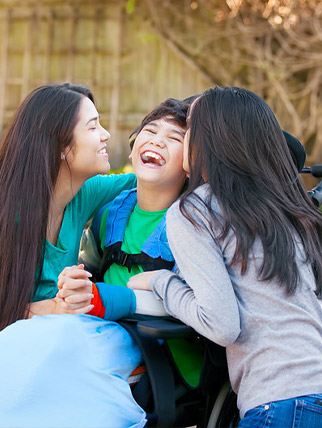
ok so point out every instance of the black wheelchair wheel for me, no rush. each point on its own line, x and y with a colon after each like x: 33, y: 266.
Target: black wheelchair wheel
x: 225, y: 413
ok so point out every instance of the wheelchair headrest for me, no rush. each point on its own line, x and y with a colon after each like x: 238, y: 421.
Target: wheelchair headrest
x: 297, y: 150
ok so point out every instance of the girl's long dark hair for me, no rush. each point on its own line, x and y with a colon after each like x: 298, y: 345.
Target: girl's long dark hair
x: 237, y: 145
x: 30, y: 159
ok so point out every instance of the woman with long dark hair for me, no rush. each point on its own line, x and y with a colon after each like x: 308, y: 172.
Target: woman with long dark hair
x: 247, y: 240
x: 60, y: 369
x: 54, y: 144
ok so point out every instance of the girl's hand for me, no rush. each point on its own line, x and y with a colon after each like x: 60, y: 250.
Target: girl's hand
x: 75, y: 290
x: 141, y: 281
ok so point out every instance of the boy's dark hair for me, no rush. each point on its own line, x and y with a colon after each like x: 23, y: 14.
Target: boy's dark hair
x: 175, y: 110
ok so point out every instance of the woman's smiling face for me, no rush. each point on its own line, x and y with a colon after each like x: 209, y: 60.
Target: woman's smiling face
x: 87, y: 155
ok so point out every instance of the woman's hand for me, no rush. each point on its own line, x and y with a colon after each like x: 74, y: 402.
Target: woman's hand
x: 75, y: 290
x: 141, y: 281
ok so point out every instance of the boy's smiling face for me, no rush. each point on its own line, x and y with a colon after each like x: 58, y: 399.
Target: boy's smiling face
x: 157, y: 154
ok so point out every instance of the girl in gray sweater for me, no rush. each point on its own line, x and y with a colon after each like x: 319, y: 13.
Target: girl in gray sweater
x: 247, y: 242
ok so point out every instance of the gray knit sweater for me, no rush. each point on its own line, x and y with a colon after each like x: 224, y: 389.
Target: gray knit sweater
x: 273, y: 341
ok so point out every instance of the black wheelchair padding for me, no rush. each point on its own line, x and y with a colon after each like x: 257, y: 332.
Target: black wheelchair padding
x: 165, y: 329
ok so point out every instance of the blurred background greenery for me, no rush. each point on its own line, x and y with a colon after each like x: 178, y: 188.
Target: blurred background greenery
x: 134, y: 54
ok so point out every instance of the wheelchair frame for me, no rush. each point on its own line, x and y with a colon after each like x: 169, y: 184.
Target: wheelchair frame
x: 162, y: 392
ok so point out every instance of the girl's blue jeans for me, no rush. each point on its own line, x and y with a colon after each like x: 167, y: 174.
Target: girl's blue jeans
x: 299, y: 412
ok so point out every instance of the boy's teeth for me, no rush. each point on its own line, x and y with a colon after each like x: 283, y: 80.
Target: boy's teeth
x: 152, y: 157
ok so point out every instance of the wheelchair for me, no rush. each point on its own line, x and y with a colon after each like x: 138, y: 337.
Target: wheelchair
x: 163, y: 393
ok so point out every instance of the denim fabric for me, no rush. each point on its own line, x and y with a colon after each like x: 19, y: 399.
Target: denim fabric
x: 119, y: 212
x: 299, y: 412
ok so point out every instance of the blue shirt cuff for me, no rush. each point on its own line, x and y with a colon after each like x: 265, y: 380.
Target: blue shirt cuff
x: 118, y: 301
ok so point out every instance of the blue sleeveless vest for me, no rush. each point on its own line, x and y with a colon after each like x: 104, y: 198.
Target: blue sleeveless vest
x: 155, y: 252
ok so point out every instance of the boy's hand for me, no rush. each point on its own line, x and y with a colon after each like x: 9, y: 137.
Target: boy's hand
x: 141, y: 281
x: 75, y: 290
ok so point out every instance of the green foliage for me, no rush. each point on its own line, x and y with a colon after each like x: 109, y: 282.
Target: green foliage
x: 130, y: 5
x: 148, y: 37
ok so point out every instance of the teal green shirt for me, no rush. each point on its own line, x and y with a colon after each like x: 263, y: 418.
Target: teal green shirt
x: 94, y: 193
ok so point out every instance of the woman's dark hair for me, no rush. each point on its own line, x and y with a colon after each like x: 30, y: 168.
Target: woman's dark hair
x: 175, y: 110
x: 238, y: 147
x: 30, y: 159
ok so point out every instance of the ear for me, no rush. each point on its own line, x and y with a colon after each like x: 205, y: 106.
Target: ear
x: 130, y: 155
x: 64, y: 153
